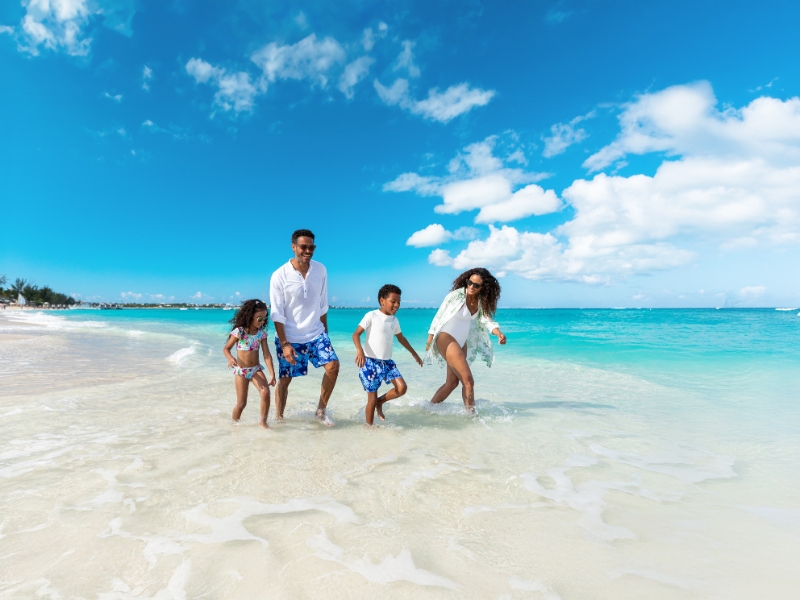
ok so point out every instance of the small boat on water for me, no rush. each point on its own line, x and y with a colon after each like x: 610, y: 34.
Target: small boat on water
x: 110, y: 307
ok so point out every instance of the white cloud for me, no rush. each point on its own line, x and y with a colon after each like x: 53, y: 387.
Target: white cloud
x: 116, y: 98
x: 440, y: 258
x: 353, y: 73
x: 438, y: 106
x: 61, y: 24
x: 564, y: 135
x: 147, y: 75
x: 301, y: 20
x: 754, y: 291
x: 405, y: 61
x: 309, y: 58
x: 368, y: 39
x: 733, y: 181
x: 235, y: 91
x: 130, y: 296
x: 7, y: 29
x: 435, y: 234
x: 480, y: 180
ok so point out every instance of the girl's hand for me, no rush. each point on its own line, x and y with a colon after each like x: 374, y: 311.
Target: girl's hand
x: 232, y: 363
x: 360, y: 359
x: 272, y: 380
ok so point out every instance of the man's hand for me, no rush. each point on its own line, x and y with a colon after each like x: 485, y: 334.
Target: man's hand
x: 360, y: 359
x: 289, y: 354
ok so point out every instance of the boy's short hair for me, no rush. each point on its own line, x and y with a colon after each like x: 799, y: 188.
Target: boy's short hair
x: 302, y: 233
x: 389, y: 289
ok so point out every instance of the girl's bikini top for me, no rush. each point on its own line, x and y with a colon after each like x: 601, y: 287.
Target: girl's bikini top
x: 247, y: 341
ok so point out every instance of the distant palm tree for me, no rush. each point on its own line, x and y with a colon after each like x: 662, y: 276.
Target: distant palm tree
x: 18, y: 285
x: 3, y: 280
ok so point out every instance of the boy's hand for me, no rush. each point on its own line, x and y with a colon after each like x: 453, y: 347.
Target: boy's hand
x: 360, y: 360
x: 232, y: 363
x: 418, y: 359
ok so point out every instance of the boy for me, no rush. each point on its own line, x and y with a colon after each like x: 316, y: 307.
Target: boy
x: 375, y: 361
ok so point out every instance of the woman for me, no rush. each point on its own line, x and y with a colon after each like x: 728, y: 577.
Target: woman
x: 459, y: 332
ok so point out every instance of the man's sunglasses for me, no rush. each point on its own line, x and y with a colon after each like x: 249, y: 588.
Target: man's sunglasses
x: 471, y: 283
x: 305, y: 247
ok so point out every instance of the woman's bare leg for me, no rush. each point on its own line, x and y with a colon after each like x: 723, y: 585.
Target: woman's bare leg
x: 241, y: 384
x: 457, y: 368
x: 260, y: 381
x: 398, y: 390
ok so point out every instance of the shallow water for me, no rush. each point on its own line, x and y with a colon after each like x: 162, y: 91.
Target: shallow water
x: 617, y: 454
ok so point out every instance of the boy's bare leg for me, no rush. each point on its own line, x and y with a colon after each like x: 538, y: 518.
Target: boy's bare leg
x: 260, y: 381
x: 281, y: 394
x: 328, y: 383
x: 372, y: 404
x: 241, y: 384
x: 398, y: 390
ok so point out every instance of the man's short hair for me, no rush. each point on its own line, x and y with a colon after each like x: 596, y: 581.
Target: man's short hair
x: 302, y: 233
x: 389, y: 289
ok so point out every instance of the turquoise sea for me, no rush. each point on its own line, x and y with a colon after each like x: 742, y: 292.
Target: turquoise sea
x: 616, y: 454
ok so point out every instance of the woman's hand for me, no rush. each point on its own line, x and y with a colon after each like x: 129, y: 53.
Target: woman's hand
x: 429, y: 342
x: 500, y: 337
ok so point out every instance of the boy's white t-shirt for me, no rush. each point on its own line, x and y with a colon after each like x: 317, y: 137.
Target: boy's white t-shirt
x: 381, y: 330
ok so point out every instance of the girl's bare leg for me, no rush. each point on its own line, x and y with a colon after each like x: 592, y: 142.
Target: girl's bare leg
x: 241, y: 384
x: 398, y: 390
x: 372, y: 401
x: 260, y: 381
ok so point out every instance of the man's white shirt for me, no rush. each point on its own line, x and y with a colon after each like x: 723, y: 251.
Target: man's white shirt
x: 298, y: 302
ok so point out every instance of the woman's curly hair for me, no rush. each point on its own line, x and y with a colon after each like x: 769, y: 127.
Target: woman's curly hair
x: 244, y: 316
x: 490, y: 292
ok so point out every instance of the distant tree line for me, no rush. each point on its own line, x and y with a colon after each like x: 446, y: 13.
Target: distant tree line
x: 32, y: 293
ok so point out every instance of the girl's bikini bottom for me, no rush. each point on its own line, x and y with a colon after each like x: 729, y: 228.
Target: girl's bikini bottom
x: 247, y: 372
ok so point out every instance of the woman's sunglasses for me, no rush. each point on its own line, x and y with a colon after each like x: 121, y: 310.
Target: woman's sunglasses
x: 471, y: 283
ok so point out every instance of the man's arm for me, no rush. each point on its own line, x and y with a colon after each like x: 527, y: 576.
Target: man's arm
x: 324, y: 319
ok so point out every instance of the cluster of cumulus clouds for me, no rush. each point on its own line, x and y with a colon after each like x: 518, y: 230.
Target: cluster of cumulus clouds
x: 728, y: 177
x: 325, y: 62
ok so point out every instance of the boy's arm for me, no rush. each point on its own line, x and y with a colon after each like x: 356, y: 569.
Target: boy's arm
x: 226, y: 350
x: 404, y: 342
x: 360, y: 360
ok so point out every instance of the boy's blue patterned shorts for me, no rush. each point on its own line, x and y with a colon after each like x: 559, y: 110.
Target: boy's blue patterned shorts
x: 319, y: 351
x: 376, y: 371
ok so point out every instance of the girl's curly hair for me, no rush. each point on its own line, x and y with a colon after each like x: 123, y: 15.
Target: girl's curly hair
x: 244, y: 316
x: 490, y: 292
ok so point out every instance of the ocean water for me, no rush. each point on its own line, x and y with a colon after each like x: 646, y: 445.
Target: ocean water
x: 616, y: 454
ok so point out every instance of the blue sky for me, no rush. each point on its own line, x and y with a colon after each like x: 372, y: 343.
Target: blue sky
x: 592, y: 153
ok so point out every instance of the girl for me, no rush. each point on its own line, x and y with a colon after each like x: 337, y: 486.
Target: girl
x: 250, y: 332
x: 460, y: 332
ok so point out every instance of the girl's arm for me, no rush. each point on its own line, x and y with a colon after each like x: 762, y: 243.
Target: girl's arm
x: 268, y: 360
x: 227, y: 352
x: 404, y: 342
x: 360, y: 359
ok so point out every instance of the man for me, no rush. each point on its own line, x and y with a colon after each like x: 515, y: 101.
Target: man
x: 298, y: 293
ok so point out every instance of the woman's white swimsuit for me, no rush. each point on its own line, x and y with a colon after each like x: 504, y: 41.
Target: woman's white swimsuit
x: 459, y: 324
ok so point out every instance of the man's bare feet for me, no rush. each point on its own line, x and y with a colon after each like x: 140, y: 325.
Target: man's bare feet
x: 324, y: 418
x: 379, y: 410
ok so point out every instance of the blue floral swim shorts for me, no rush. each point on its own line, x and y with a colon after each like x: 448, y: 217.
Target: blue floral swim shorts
x: 319, y: 351
x: 376, y: 371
